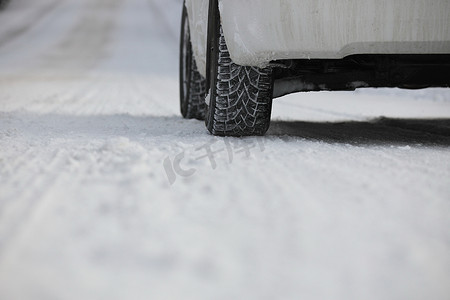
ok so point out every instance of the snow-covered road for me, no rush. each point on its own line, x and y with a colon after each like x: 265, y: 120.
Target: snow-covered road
x: 107, y: 193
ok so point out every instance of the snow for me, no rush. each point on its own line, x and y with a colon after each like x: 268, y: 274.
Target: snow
x: 107, y: 193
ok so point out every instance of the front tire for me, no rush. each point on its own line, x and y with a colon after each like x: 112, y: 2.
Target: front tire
x: 240, y: 99
x: 192, y: 83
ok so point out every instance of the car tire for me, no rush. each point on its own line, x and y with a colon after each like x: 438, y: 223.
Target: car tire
x: 192, y: 83
x: 240, y: 97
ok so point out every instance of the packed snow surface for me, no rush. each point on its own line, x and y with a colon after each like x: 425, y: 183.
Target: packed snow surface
x: 107, y: 193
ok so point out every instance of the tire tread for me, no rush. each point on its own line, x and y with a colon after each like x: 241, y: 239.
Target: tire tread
x: 243, y: 97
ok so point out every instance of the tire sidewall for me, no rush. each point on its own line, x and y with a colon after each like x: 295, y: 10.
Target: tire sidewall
x: 184, y: 62
x: 213, y: 41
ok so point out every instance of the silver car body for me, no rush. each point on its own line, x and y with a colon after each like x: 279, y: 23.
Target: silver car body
x: 260, y: 31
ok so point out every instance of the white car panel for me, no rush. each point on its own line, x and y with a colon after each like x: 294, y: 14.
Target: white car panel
x: 258, y: 31
x: 198, y: 24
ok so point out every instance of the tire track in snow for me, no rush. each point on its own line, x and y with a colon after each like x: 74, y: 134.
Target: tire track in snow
x: 379, y: 131
x: 19, y: 212
x: 13, y: 168
x: 434, y: 127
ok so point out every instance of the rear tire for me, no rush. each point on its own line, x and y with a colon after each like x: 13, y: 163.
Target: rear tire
x: 192, y: 83
x: 240, y: 100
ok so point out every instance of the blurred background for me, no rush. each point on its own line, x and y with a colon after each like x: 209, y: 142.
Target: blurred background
x: 107, y: 193
x: 68, y: 35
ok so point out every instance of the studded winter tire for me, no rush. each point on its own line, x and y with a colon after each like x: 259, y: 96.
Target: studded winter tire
x: 240, y: 98
x: 192, y: 83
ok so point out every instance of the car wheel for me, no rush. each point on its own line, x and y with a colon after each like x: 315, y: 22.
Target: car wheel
x: 240, y: 97
x: 192, y: 83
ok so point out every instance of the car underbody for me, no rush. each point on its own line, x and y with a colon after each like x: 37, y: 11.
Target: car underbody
x: 358, y: 71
